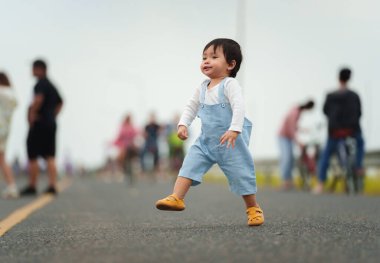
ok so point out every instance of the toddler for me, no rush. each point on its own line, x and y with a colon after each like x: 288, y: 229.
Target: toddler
x: 224, y: 139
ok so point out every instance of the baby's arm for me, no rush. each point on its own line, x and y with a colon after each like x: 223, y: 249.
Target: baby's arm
x: 188, y: 115
x: 182, y: 132
x: 234, y: 94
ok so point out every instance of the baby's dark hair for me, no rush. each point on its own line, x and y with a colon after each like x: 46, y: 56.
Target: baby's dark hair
x: 345, y: 74
x: 231, y: 50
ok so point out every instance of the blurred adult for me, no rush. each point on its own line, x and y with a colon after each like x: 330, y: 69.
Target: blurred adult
x: 343, y: 111
x: 287, y: 139
x: 41, y: 142
x: 151, y: 134
x: 8, y: 103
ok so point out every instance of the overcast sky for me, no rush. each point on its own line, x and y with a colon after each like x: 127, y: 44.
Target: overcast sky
x: 112, y: 57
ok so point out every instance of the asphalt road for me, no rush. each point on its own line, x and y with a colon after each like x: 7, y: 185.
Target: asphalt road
x: 94, y: 221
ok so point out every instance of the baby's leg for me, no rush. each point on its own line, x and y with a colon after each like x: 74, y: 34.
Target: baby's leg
x: 250, y: 201
x: 254, y: 212
x: 181, y: 186
x: 195, y: 165
x: 175, y: 202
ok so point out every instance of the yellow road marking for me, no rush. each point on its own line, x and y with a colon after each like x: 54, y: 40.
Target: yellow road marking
x: 22, y: 213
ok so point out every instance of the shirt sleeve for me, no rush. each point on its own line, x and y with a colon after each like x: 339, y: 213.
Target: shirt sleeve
x: 234, y: 93
x: 39, y: 89
x: 59, y: 98
x: 359, y: 106
x: 326, y: 105
x: 191, y: 109
x: 14, y: 100
x: 8, y: 98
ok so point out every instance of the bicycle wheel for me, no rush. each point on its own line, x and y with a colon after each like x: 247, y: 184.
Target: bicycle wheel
x: 351, y: 178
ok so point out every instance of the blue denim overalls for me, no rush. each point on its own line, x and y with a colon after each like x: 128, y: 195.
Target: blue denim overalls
x: 236, y: 163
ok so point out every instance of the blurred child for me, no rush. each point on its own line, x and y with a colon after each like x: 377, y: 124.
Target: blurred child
x: 225, y: 131
x: 8, y: 103
x: 125, y: 141
x: 176, y: 146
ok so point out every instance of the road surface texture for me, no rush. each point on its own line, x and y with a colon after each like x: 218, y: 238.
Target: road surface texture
x: 94, y: 221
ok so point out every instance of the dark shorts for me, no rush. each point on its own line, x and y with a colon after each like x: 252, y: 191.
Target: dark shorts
x: 41, y: 140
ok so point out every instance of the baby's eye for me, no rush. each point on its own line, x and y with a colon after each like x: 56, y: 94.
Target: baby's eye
x: 214, y: 57
x: 204, y: 58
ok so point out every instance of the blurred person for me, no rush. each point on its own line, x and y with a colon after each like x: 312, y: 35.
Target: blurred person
x: 287, y: 139
x: 110, y: 167
x: 176, y: 146
x: 126, y: 144
x: 16, y: 167
x: 41, y: 142
x: 68, y: 165
x: 343, y: 111
x: 225, y: 131
x: 8, y: 103
x: 151, y: 134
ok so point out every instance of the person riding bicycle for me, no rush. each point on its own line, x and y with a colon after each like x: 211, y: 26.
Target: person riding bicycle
x: 343, y: 111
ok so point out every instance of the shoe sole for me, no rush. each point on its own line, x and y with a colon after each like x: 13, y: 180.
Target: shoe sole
x: 256, y: 224
x: 168, y: 208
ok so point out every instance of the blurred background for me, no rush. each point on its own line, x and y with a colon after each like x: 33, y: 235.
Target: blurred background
x: 110, y: 58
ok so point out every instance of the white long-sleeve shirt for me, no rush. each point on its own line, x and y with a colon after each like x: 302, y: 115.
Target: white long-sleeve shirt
x: 234, y: 96
x: 8, y: 103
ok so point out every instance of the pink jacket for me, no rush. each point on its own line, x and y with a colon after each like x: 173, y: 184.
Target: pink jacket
x: 126, y: 137
x: 289, y: 125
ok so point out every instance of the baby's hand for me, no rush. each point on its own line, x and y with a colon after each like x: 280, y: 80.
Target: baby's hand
x: 182, y: 132
x: 229, y: 137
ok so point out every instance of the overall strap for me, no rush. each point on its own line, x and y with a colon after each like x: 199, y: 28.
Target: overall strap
x: 202, y: 95
x: 221, y: 96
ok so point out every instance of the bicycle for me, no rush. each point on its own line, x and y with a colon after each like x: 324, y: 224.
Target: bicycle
x: 131, y: 154
x: 307, y: 164
x: 345, y: 170
x: 307, y: 161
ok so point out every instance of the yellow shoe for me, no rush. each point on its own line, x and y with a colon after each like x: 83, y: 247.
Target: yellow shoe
x: 255, y: 216
x: 171, y: 203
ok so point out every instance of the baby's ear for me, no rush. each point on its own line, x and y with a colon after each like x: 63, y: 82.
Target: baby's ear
x: 231, y: 65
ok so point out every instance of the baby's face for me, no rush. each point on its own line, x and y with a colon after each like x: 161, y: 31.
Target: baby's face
x: 214, y: 64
